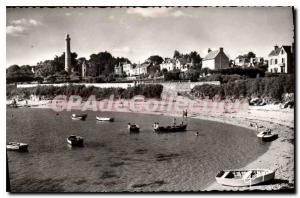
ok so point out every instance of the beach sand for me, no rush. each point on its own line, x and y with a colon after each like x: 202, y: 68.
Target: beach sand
x: 280, y: 155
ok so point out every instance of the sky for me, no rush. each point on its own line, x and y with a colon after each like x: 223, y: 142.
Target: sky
x: 38, y: 34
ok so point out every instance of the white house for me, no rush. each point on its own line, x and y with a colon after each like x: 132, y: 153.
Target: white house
x: 168, y: 64
x: 280, y: 60
x: 140, y: 69
x: 215, y: 60
x: 127, y: 69
x: 241, y: 61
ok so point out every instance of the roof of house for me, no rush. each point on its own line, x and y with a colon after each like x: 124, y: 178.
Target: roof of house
x: 143, y: 65
x: 276, y: 51
x: 168, y: 60
x: 240, y: 57
x: 211, y: 55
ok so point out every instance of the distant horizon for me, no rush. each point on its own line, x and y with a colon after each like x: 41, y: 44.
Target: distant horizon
x: 137, y: 33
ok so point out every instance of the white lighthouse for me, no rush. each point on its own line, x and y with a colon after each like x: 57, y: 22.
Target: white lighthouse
x: 68, y: 65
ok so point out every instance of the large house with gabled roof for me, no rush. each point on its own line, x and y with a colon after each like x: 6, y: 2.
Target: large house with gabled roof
x: 280, y: 60
x: 216, y: 59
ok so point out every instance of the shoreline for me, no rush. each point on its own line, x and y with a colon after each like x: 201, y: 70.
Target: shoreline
x: 279, y: 156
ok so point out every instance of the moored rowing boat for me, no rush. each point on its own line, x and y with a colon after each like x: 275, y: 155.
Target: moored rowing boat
x: 17, y: 146
x: 244, y: 177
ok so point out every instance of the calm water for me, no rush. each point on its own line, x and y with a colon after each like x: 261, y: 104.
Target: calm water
x: 114, y: 160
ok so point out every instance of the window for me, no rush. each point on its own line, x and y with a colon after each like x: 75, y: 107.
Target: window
x: 275, y: 61
x: 281, y: 51
x: 282, y: 61
x: 271, y: 70
x: 282, y: 69
x: 271, y: 62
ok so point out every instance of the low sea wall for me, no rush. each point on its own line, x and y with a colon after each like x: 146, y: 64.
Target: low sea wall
x: 173, y: 86
x: 100, y: 85
x: 185, y: 86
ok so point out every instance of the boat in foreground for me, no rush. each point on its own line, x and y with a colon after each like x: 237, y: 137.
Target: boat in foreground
x: 75, y: 140
x: 104, y: 119
x: 17, y: 146
x: 133, y: 128
x: 244, y: 177
x: 170, y: 129
x: 79, y: 117
x: 267, y: 135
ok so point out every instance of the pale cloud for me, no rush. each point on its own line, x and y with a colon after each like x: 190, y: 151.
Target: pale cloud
x: 15, y: 30
x: 25, y: 22
x: 68, y: 14
x: 179, y: 13
x: 21, y: 26
x: 111, y: 17
x: 150, y: 12
x: 157, y: 12
x: 124, y: 49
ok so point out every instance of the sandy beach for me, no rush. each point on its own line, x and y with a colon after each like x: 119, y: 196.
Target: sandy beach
x: 280, y: 155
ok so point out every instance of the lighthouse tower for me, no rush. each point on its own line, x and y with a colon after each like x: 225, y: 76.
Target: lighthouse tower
x: 68, y: 65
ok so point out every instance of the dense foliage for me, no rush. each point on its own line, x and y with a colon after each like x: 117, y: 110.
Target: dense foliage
x: 19, y: 74
x: 268, y: 87
x: 100, y: 64
x: 251, y: 72
x: 147, y: 90
x: 222, y: 78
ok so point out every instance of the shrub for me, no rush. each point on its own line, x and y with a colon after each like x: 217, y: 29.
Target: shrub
x: 148, y: 90
x: 222, y: 78
x: 272, y: 87
x: 251, y: 72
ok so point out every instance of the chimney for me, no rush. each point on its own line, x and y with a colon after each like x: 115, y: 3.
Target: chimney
x: 221, y: 49
x: 275, y: 47
x: 209, y: 50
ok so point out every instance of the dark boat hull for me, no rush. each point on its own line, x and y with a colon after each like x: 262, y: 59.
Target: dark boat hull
x: 169, y: 129
x: 270, y: 138
x: 134, y: 130
x: 75, y: 141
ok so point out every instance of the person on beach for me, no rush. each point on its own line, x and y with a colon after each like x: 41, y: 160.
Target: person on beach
x: 256, y: 126
x: 156, y: 125
x: 185, y: 113
x: 129, y: 125
x: 14, y: 102
x: 174, y: 122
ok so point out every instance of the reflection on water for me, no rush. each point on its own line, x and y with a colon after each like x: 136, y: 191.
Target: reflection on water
x: 114, y: 160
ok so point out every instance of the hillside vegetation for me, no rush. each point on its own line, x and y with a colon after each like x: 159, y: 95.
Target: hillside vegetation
x: 49, y: 92
x: 272, y: 88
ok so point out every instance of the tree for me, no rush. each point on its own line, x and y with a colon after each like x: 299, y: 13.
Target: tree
x: 13, y: 68
x: 102, y: 63
x: 195, y: 58
x: 155, y: 59
x: 192, y: 75
x: 250, y: 55
x: 176, y: 54
x: 19, y: 74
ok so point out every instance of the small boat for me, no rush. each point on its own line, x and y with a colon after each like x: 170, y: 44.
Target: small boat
x: 104, y: 119
x: 17, y: 146
x: 79, y: 117
x: 75, y: 140
x: 170, y: 129
x: 244, y: 177
x: 267, y: 135
x: 12, y: 106
x: 133, y: 128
